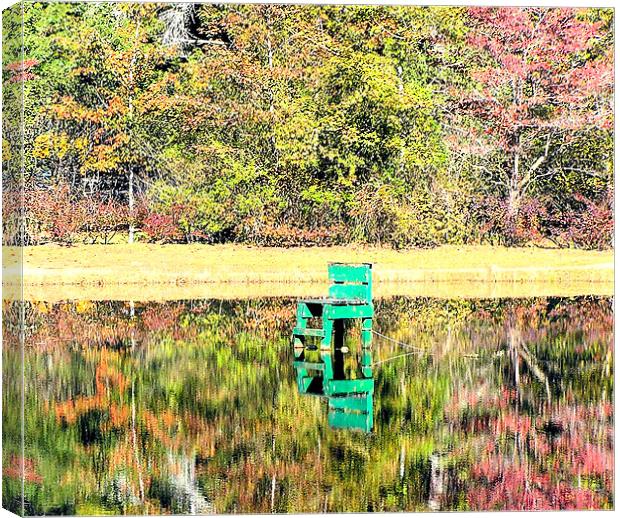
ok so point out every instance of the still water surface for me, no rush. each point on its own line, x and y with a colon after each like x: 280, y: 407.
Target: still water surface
x: 199, y: 407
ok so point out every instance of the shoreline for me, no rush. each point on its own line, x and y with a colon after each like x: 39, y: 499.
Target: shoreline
x: 173, y: 272
x: 226, y: 291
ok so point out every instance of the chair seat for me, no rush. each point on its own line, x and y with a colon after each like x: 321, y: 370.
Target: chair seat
x: 335, y: 302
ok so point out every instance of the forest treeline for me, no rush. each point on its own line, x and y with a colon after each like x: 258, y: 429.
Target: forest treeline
x: 289, y: 125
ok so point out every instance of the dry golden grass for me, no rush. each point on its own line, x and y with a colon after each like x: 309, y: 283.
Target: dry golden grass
x: 159, y: 272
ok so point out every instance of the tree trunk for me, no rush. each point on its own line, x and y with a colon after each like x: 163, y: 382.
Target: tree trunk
x: 135, y: 441
x: 436, y: 489
x: 514, y: 196
x: 401, y: 151
x: 130, y: 106
x: 272, y: 107
x: 131, y: 207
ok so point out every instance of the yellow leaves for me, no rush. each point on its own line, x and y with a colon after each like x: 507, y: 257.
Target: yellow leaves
x: 81, y: 144
x: 51, y: 145
x: 6, y: 150
x: 83, y: 306
x: 54, y: 145
x: 43, y: 307
x: 83, y: 71
x: 137, y: 10
x: 97, y: 150
x: 102, y: 158
x: 106, y: 154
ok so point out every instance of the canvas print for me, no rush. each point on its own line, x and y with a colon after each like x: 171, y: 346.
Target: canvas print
x: 268, y: 258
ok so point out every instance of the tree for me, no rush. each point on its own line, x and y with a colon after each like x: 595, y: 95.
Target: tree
x: 544, y: 81
x: 100, y: 114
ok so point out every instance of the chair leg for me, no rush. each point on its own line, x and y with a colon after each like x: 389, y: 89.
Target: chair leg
x: 367, y: 332
x: 303, y: 380
x: 301, y: 323
x: 328, y: 326
x: 366, y: 362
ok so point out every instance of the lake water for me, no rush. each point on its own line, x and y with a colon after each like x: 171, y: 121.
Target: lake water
x: 198, y: 407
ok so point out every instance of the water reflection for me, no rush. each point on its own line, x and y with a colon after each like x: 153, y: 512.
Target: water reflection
x: 200, y: 407
x: 349, y: 399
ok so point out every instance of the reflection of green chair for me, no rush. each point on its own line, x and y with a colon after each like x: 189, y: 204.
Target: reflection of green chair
x: 350, y: 401
x: 350, y: 297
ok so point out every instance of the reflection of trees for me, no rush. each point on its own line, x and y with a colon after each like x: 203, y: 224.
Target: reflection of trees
x: 529, y: 435
x: 518, y: 353
x: 194, y: 406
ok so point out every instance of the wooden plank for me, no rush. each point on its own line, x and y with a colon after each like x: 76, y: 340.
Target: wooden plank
x: 350, y: 291
x: 316, y: 366
x: 350, y: 421
x: 303, y: 383
x: 352, y: 403
x: 303, y: 311
x: 339, y: 272
x: 357, y: 311
x: 349, y: 386
x: 300, y: 331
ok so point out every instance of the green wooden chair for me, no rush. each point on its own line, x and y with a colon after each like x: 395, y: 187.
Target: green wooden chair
x: 350, y: 401
x: 350, y: 297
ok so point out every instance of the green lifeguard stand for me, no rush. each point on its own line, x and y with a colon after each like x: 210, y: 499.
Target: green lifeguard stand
x: 350, y: 401
x: 350, y: 297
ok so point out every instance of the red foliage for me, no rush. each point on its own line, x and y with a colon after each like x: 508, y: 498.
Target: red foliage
x: 536, y: 46
x: 11, y: 209
x: 513, y: 423
x: 20, y: 66
x: 514, y: 487
x: 174, y: 225
x: 158, y: 318
x: 104, y: 218
x: 162, y: 228
x: 549, y: 478
x: 22, y: 76
x: 594, y: 460
x: 18, y: 466
x: 591, y: 227
x: 53, y: 214
x: 541, y: 79
x: 20, y: 70
x: 57, y: 215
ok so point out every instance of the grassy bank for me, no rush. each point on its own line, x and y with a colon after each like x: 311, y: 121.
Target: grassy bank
x: 184, y: 271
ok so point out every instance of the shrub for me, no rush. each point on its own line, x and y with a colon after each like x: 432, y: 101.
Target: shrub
x: 374, y: 214
x: 174, y: 224
x: 162, y: 228
x: 266, y: 232
x: 53, y: 215
x: 287, y: 236
x: 11, y: 234
x: 104, y: 219
x: 59, y: 216
x: 426, y: 217
x: 531, y: 222
x: 591, y: 225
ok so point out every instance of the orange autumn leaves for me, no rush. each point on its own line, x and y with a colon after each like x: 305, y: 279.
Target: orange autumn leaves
x: 107, y: 380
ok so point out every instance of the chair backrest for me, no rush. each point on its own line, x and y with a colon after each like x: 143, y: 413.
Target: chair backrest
x: 350, y: 281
